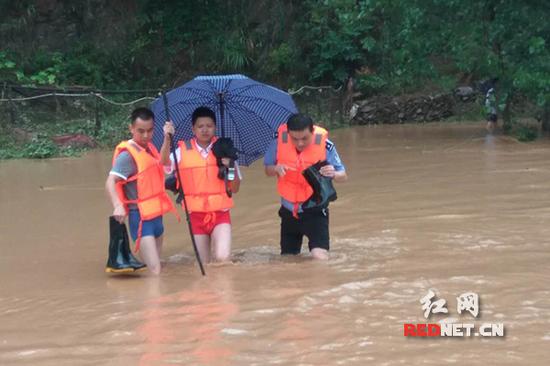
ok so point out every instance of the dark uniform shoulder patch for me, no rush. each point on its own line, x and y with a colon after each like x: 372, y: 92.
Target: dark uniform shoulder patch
x: 329, y: 145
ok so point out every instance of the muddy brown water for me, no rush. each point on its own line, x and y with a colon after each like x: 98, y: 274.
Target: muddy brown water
x: 441, y: 207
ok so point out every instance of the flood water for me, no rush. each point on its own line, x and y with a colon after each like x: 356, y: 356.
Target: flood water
x: 441, y: 207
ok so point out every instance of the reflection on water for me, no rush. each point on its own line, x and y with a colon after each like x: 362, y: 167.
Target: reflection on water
x: 208, y: 306
x: 443, y: 207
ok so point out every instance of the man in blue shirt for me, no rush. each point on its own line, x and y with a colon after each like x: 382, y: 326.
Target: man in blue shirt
x: 298, y: 143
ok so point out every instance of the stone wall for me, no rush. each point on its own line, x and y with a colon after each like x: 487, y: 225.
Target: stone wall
x: 413, y: 108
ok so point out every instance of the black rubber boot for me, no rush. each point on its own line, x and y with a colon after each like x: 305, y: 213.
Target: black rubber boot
x: 133, y: 261
x: 323, y: 190
x: 120, y: 258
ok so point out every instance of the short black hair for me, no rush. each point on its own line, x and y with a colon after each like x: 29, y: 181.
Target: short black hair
x: 203, y: 112
x: 142, y: 113
x: 299, y: 122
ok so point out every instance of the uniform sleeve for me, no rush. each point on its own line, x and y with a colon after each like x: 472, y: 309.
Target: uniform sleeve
x: 124, y: 166
x: 333, y: 158
x: 270, y: 157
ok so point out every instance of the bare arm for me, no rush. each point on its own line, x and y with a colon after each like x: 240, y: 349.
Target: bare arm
x: 119, y: 211
x: 270, y: 170
x: 235, y: 184
x: 277, y: 170
x: 338, y: 176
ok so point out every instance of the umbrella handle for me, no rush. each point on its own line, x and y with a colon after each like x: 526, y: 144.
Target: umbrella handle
x: 180, y: 188
x: 226, y: 184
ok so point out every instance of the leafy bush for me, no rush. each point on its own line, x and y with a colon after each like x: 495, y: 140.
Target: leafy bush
x: 41, y: 147
x: 525, y: 133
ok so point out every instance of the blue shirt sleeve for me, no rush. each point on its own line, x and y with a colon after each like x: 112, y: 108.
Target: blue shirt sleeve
x: 333, y: 158
x: 270, y: 157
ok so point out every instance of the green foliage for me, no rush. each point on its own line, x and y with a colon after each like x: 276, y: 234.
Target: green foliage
x: 8, y: 148
x: 5, y: 63
x: 371, y: 84
x: 339, y: 35
x: 40, y: 125
x: 233, y: 52
x: 8, y: 69
x: 48, y: 69
x: 281, y: 59
x: 83, y: 66
x: 402, y: 45
x: 41, y: 147
x: 114, y: 128
x: 387, y: 46
x: 526, y: 133
x: 521, y: 131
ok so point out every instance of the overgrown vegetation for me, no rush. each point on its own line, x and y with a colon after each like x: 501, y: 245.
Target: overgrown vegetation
x: 37, y: 124
x: 385, y: 46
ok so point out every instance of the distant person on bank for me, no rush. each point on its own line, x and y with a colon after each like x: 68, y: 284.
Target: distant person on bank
x: 491, y: 104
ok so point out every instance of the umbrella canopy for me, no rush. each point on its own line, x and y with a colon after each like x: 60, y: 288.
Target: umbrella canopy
x: 247, y: 111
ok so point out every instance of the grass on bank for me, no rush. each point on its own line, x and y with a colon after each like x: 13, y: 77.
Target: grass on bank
x: 31, y: 137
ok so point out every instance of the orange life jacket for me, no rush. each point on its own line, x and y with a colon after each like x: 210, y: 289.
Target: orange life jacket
x: 204, y: 191
x: 292, y: 186
x: 152, y: 200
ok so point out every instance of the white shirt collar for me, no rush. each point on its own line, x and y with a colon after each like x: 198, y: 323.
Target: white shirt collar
x: 204, y: 151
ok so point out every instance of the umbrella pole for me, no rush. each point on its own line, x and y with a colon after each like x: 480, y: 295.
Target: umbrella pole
x: 222, y: 112
x: 222, y: 117
x: 180, y: 188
